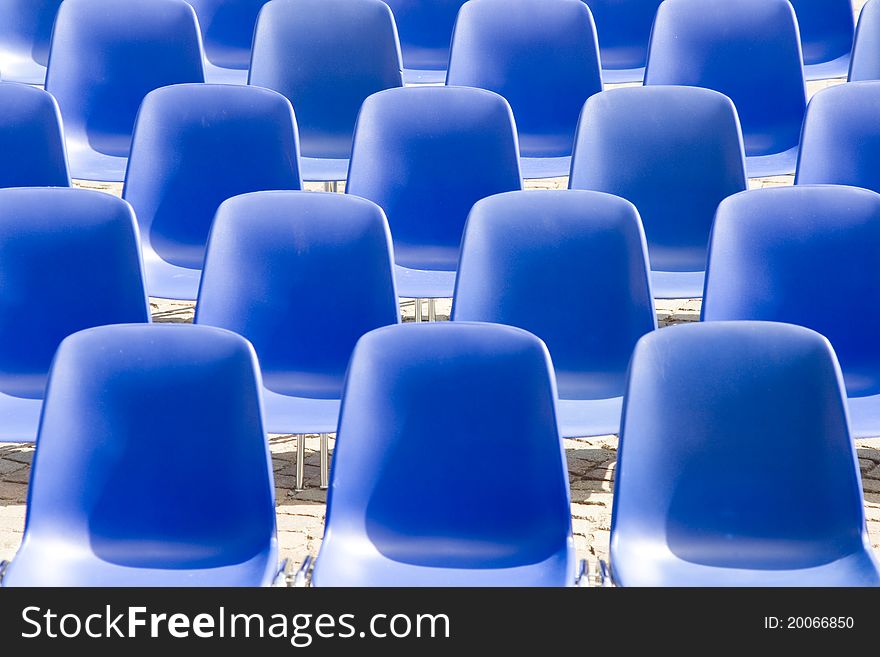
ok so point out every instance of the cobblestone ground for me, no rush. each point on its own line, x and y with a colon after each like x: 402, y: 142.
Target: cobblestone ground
x: 301, y: 513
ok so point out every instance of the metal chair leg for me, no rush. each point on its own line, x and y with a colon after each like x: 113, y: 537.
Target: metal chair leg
x: 432, y: 310
x: 325, y: 460
x: 418, y: 310
x: 300, y: 460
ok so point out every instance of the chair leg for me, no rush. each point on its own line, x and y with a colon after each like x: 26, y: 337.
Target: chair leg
x: 325, y: 460
x: 418, y: 303
x: 300, y: 460
x: 432, y: 310
x: 331, y: 186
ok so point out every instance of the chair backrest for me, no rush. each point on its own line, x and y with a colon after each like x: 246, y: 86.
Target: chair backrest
x: 841, y: 138
x: 544, y: 261
x: 790, y: 254
x: 107, y: 55
x: 302, y: 276
x: 425, y: 155
x: 755, y: 402
x: 195, y: 145
x: 541, y: 55
x: 625, y: 28
x: 69, y: 260
x: 865, y: 62
x: 826, y: 28
x: 748, y: 50
x: 326, y: 56
x: 425, y: 31
x: 675, y: 152
x: 227, y: 29
x: 195, y: 492
x: 486, y: 392
x: 31, y: 141
x: 25, y: 30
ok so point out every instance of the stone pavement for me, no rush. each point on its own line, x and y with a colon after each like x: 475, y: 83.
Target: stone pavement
x: 301, y: 514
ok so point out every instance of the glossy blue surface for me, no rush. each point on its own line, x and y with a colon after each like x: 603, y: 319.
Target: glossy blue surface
x: 865, y: 63
x: 25, y: 30
x: 326, y: 56
x: 624, y: 31
x: 115, y: 500
x: 227, y: 32
x: 543, y: 57
x: 790, y: 254
x: 748, y: 50
x: 572, y: 268
x: 69, y: 260
x: 302, y: 276
x: 195, y: 145
x: 425, y: 155
x: 826, y: 28
x: 841, y: 139
x: 418, y: 398
x: 105, y: 57
x: 675, y: 152
x: 766, y: 401
x: 31, y: 139
x: 425, y: 28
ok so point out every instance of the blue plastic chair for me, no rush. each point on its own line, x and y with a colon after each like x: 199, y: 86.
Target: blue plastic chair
x: 69, y: 260
x: 675, y: 152
x: 105, y: 57
x: 425, y: 33
x: 196, y: 145
x: 758, y: 485
x: 118, y: 500
x: 865, y: 61
x: 748, y: 50
x: 826, y: 28
x: 791, y: 254
x: 302, y: 276
x: 31, y: 141
x: 227, y: 32
x: 544, y: 261
x: 624, y: 31
x: 841, y: 138
x: 326, y: 56
x: 543, y: 57
x: 425, y: 155
x: 429, y: 404
x: 25, y: 30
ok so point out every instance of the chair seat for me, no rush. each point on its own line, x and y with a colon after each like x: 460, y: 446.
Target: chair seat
x: 581, y: 418
x: 775, y: 164
x: 424, y: 76
x: 864, y: 416
x: 19, y: 418
x: 677, y: 284
x: 25, y: 70
x: 622, y: 75
x: 321, y: 169
x: 88, y: 164
x: 651, y: 564
x: 42, y: 563
x: 424, y: 283
x: 220, y: 75
x: 368, y: 567
x: 545, y: 167
x: 286, y: 414
x: 168, y: 281
x: 836, y: 68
